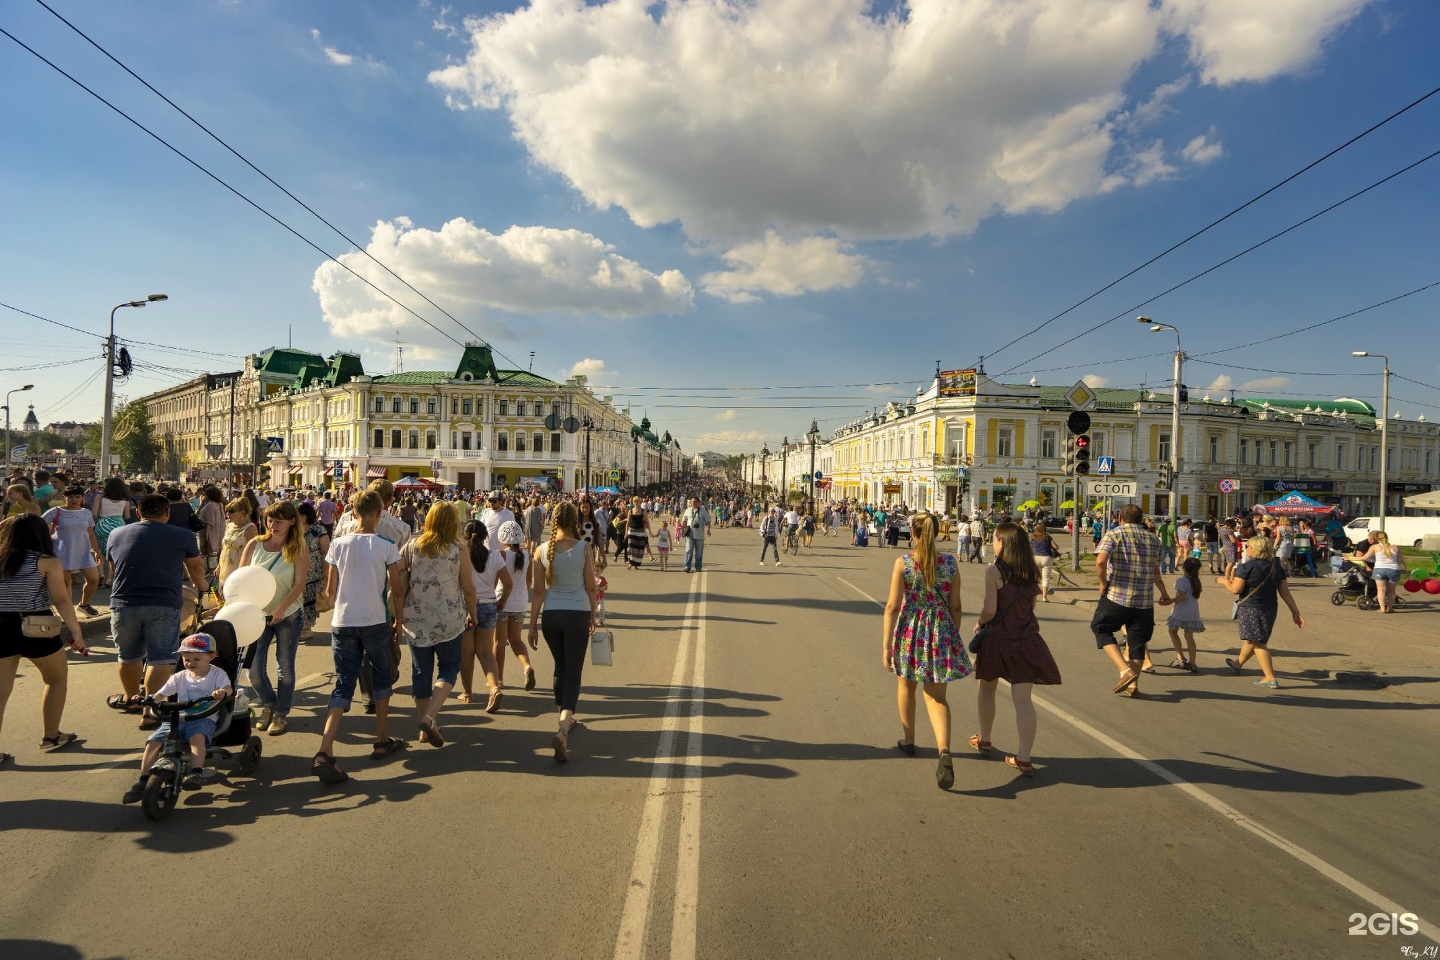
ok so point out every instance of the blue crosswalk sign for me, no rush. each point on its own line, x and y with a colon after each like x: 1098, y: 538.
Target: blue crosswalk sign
x: 1104, y: 465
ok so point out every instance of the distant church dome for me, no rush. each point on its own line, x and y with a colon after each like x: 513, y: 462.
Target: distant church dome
x: 32, y: 422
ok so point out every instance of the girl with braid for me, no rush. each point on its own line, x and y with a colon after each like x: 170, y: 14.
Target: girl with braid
x: 562, y: 604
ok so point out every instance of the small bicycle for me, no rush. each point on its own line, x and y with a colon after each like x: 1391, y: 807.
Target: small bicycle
x: 792, y: 542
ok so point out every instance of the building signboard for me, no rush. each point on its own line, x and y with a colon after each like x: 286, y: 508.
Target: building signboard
x: 957, y: 383
x: 1304, y: 486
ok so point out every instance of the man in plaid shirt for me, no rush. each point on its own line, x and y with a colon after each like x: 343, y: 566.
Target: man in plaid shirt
x: 1128, y: 565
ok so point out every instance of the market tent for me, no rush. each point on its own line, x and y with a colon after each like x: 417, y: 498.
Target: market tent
x: 1029, y: 504
x: 1067, y: 505
x: 1424, y: 501
x: 415, y: 483
x: 1293, y: 504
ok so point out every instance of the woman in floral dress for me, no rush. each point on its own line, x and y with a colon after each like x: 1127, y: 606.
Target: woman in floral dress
x: 921, y: 643
x: 437, y: 606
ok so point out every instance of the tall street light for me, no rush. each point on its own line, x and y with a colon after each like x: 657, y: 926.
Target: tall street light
x: 1174, y: 417
x: 1384, y: 423
x: 784, y: 462
x: 814, y: 435
x: 28, y: 386
x: 764, y: 459
x: 108, y: 422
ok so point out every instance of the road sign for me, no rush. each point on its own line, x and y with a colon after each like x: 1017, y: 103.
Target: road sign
x: 275, y: 444
x: 339, y: 468
x: 1105, y: 465
x: 1081, y: 397
x: 214, y: 450
x: 436, y: 466
x: 1228, y: 486
x: 1112, y: 488
x: 819, y: 475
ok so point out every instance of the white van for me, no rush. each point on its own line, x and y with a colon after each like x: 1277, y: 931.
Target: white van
x: 1403, y: 531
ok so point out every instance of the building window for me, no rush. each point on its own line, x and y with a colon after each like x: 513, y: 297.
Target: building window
x: 467, y: 406
x: 555, y: 439
x: 1289, y: 453
x: 465, y: 440
x: 1374, y: 457
x: 431, y: 440
x: 1312, y: 455
x: 1274, y: 451
x: 957, y: 448
x: 414, y: 404
x: 395, y: 440
x: 1214, y: 448
x: 519, y: 408
x: 379, y: 439
x: 379, y: 404
x: 504, y: 407
x: 395, y: 405
x: 539, y: 445
x: 1097, y: 445
x: 1162, y: 448
x: 1245, y: 450
x: 519, y: 443
x: 454, y: 406
x: 454, y: 439
x: 1005, y: 442
x: 1048, y: 445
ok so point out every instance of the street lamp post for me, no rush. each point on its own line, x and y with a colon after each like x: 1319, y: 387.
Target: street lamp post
x: 784, y: 462
x: 635, y: 477
x: 764, y: 459
x: 108, y: 422
x: 28, y: 386
x: 1384, y: 424
x: 814, y: 436
x: 1174, y: 417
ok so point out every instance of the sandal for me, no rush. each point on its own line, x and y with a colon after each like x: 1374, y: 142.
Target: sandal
x: 58, y: 742
x: 123, y: 703
x: 529, y: 678
x: 982, y: 747
x: 1180, y: 663
x: 945, y: 771
x: 191, y: 781
x: 149, y: 722
x: 1026, y: 768
x: 324, y: 767
x: 496, y: 696
x: 561, y: 743
x: 431, y: 733
x: 464, y: 698
x: 383, y: 748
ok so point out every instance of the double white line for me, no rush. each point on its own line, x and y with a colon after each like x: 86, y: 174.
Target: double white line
x: 676, y: 773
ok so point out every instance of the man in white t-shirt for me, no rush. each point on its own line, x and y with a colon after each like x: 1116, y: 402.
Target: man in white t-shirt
x: 390, y: 527
x: 494, y: 516
x: 792, y: 521
x: 362, y: 565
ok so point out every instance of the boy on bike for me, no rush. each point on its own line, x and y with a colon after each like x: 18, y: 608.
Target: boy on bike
x: 200, y: 678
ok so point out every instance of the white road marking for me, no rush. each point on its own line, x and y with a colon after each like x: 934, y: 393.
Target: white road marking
x: 1319, y: 865
x: 687, y: 870
x: 635, y: 916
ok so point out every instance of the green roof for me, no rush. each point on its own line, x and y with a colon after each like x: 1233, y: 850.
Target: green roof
x: 285, y: 361
x: 509, y: 378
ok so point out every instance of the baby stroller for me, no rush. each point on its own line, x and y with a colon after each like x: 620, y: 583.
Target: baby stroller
x: 1355, y: 583
x: 232, y: 727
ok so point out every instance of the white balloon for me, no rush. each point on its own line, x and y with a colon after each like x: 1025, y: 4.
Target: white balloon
x: 247, y: 619
x: 250, y: 585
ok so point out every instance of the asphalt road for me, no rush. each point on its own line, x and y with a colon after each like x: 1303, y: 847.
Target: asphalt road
x: 735, y: 794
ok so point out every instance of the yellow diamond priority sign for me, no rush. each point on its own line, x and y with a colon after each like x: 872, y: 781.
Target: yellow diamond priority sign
x: 1080, y: 396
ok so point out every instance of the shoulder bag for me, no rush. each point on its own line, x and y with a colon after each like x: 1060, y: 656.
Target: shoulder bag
x: 1235, y: 609
x: 976, y: 640
x: 41, y: 625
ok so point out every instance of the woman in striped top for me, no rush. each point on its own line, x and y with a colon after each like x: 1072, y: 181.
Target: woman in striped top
x: 31, y: 580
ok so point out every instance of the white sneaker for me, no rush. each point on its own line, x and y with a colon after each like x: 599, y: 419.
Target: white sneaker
x: 762, y: 563
x: 777, y: 563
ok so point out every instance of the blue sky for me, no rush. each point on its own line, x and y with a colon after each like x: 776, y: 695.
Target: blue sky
x: 691, y: 202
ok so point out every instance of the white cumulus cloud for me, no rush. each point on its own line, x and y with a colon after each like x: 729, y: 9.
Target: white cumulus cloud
x: 1203, y: 148
x: 830, y: 118
x: 590, y: 368
x: 1221, y: 383
x: 1094, y: 381
x: 468, y: 270
x: 778, y: 266
x: 1233, y: 41
x: 1267, y: 383
x: 728, y: 415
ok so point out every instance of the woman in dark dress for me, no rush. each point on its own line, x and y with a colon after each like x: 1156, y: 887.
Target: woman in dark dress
x: 1013, y: 649
x: 637, y: 535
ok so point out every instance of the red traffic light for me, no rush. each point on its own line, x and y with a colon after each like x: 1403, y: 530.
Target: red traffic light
x: 1082, y: 442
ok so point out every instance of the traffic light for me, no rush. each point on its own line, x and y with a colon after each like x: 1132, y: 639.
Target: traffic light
x: 1184, y: 393
x: 1067, y: 458
x: 1163, y: 483
x: 1082, y: 455
x: 262, y: 477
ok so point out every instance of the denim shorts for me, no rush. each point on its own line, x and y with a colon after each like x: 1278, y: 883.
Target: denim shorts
x: 485, y: 615
x: 1389, y: 576
x: 188, y: 729
x: 427, y: 664
x: 150, y: 633
x: 349, y: 645
x: 518, y: 617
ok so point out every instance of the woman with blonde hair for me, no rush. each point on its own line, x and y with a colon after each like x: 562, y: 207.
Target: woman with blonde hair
x: 284, y: 553
x: 565, y: 592
x: 239, y: 531
x: 20, y: 502
x: 1013, y: 649
x: 436, y: 601
x: 920, y: 640
x: 1386, y: 570
x: 1260, y: 583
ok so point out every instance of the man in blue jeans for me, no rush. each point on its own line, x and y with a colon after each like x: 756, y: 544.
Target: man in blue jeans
x: 150, y: 559
x: 695, y: 521
x: 361, y: 565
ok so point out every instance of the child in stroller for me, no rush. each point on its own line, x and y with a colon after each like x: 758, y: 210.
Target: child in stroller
x: 1354, y: 582
x: 204, y: 715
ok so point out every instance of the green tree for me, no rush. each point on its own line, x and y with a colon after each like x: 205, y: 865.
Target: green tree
x: 131, y: 439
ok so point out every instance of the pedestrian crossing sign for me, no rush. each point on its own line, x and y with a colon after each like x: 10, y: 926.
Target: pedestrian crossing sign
x: 1104, y: 465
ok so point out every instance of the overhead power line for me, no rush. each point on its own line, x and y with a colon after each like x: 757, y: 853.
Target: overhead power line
x: 1231, y: 259
x: 1215, y: 223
